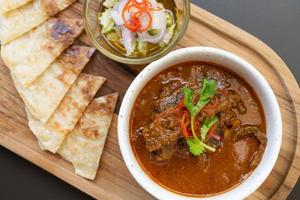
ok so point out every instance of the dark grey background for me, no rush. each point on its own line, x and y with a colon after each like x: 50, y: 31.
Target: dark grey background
x: 276, y: 22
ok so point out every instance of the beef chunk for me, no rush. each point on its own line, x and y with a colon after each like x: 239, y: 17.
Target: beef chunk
x: 253, y: 130
x: 231, y: 100
x: 164, y: 130
x: 169, y: 101
x: 165, y: 153
x: 244, y: 149
x: 226, y: 117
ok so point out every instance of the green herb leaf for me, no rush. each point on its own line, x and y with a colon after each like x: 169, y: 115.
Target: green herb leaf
x: 195, y: 146
x: 207, y: 124
x: 188, y: 96
x: 208, y: 90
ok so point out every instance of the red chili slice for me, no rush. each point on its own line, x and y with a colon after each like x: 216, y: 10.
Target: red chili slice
x: 137, y: 9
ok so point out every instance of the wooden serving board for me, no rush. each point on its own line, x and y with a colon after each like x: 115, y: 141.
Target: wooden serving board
x: 113, y: 179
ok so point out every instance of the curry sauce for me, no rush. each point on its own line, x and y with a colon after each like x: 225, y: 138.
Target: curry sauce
x: 239, y: 143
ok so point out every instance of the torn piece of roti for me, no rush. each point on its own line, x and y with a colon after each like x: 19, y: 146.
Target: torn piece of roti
x: 84, y: 145
x: 8, y: 5
x: 43, y: 96
x: 65, y: 117
x: 31, y: 54
x: 21, y: 20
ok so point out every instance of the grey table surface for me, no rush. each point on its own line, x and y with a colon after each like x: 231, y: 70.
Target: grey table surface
x: 276, y: 22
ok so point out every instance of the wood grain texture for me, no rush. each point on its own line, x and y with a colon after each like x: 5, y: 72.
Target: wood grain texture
x: 113, y: 179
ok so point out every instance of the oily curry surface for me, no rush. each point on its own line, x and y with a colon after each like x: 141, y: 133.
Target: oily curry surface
x: 161, y: 141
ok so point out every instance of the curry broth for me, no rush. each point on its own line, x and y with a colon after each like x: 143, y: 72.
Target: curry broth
x: 210, y: 173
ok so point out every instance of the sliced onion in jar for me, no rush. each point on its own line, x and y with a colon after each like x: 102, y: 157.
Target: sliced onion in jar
x: 158, y: 19
x: 171, y: 14
x: 154, y: 4
x: 116, y: 12
x: 116, y: 17
x: 127, y: 39
x: 119, y: 7
x: 144, y: 19
x: 146, y: 37
x: 158, y: 23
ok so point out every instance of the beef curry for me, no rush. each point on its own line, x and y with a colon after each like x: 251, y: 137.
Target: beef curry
x: 198, y: 129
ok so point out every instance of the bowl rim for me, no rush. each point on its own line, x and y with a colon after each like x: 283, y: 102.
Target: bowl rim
x: 271, y: 152
x: 144, y: 60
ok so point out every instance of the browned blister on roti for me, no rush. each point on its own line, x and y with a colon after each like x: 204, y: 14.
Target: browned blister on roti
x: 84, y: 145
x: 21, y: 20
x: 44, y: 95
x: 31, y: 54
x: 67, y: 114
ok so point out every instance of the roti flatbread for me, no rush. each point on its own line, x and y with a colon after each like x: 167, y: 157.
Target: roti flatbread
x: 7, y: 5
x: 65, y: 117
x: 31, y: 54
x: 21, y: 20
x: 84, y: 145
x: 43, y: 96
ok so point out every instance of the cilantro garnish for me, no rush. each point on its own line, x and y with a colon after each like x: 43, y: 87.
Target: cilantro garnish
x: 195, y: 146
x: 207, y: 91
x: 207, y: 124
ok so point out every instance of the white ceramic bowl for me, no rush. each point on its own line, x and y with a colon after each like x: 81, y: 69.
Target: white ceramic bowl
x: 239, y: 66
